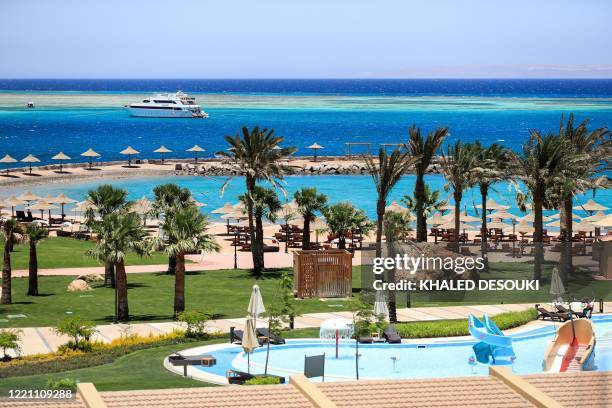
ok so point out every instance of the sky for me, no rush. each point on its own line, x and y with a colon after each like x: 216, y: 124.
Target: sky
x: 305, y: 39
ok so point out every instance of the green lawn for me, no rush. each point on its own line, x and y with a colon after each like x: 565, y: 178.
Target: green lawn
x: 226, y: 294
x: 57, y: 252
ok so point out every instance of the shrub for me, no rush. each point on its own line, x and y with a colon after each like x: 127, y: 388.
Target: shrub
x: 459, y: 327
x: 196, y: 323
x: 61, y: 383
x: 269, y: 380
x: 9, y: 340
x: 80, y: 331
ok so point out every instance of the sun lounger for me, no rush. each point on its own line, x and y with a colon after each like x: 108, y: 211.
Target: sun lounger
x: 545, y: 314
x: 240, y: 377
x: 274, y: 339
x: 564, y: 310
x: 391, y: 335
x: 365, y: 339
x: 235, y: 335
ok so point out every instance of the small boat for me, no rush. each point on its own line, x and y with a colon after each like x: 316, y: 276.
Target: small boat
x: 177, y: 105
x: 30, y: 105
x: 572, y: 349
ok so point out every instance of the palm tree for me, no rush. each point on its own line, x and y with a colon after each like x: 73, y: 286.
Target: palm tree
x: 265, y: 205
x: 431, y: 202
x: 186, y: 230
x: 386, y: 173
x: 583, y: 160
x: 537, y: 167
x: 309, y: 202
x: 168, y: 199
x: 107, y: 199
x: 424, y: 149
x: 256, y: 154
x: 491, y: 166
x: 344, y: 218
x: 456, y: 166
x: 396, y: 226
x: 35, y: 234
x: 119, y: 233
x: 10, y: 231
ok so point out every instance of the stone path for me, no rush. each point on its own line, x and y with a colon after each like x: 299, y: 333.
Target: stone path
x: 44, y: 339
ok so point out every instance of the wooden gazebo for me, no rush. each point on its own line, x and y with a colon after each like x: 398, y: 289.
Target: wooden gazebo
x: 322, y: 274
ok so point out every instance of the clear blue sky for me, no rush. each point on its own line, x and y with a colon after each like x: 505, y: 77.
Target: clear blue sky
x: 304, y: 39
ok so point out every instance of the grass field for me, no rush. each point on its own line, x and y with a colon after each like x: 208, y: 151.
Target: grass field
x: 57, y: 252
x: 225, y: 293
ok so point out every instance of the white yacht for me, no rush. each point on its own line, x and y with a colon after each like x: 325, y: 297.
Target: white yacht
x: 177, y: 105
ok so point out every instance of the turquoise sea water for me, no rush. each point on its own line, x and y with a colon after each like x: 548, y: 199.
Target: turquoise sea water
x: 74, y: 115
x: 444, y: 359
x: 357, y: 189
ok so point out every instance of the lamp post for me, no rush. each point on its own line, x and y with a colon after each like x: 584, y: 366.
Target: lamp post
x: 235, y: 248
x: 513, y: 237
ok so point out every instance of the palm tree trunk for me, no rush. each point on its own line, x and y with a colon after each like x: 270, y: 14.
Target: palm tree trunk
x: 569, y: 232
x: 179, y: 285
x: 33, y: 271
x: 123, y: 311
x: 306, y: 234
x: 419, y: 196
x: 171, y: 265
x: 257, y: 261
x: 260, y: 242
x: 109, y: 274
x: 391, y: 300
x: 484, y: 191
x: 538, y: 233
x: 6, y: 274
x: 457, y: 195
x: 341, y: 242
x: 380, y: 214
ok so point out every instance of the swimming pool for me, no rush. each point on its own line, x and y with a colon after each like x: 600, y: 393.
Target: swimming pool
x: 429, y: 359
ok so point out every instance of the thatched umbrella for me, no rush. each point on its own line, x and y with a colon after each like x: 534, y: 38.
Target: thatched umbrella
x: 604, y: 222
x: 195, y: 150
x: 28, y: 196
x: 8, y: 159
x: 61, y: 157
x: 531, y: 217
x: 62, y: 200
x: 30, y: 159
x: 315, y: 147
x: 162, y: 150
x: 591, y: 206
x: 227, y: 208
x: 43, y: 206
x: 143, y: 207
x: 129, y: 152
x: 438, y: 219
x: 396, y: 207
x: 494, y: 205
x: 90, y: 154
x: 446, y: 207
x: 12, y: 202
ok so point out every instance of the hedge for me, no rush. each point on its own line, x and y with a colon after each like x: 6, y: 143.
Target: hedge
x: 459, y: 327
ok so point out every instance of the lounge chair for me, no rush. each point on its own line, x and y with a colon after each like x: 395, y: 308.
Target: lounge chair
x: 545, y: 314
x: 564, y: 310
x: 274, y: 339
x: 391, y: 335
x: 177, y: 359
x: 240, y: 377
x: 367, y: 339
x: 235, y: 335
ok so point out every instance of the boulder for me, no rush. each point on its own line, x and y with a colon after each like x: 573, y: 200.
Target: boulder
x: 78, y: 285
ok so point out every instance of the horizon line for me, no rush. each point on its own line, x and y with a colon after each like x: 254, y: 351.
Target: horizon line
x: 308, y: 78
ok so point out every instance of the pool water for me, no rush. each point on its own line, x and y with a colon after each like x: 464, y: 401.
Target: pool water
x: 428, y: 360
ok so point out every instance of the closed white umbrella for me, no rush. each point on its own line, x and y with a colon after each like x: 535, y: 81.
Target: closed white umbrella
x: 61, y: 157
x: 380, y: 305
x: 256, y: 305
x: 556, y: 285
x: 249, y: 339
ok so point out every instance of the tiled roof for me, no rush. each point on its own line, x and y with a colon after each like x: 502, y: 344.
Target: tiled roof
x: 30, y: 403
x: 592, y: 389
x: 461, y: 392
x: 255, y: 396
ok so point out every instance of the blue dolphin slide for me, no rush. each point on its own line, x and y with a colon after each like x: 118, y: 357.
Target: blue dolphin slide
x: 495, y: 347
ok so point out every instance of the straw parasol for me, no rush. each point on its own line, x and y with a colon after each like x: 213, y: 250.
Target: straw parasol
x: 162, y: 150
x: 315, y: 146
x: 494, y: 205
x: 451, y: 225
x: 61, y: 157
x: 523, y: 227
x: 583, y: 226
x: 195, y: 150
x: 12, y: 202
x: 249, y: 339
x: 469, y: 218
x: 30, y: 159
x: 396, y: 207
x: 227, y: 208
x: 143, y: 207
x: 62, y: 200
x: 90, y: 154
x: 129, y: 152
x: 498, y: 225
x: 28, y: 196
x: 8, y: 159
x: 236, y: 215
x: 447, y: 207
x: 605, y: 222
x: 598, y: 216
x: 531, y: 217
x: 43, y: 206
x: 83, y: 206
x: 437, y: 219
x: 590, y: 206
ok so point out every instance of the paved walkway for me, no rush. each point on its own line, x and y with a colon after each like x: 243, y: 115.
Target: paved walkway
x: 44, y: 339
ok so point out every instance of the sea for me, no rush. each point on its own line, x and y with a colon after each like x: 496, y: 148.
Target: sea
x: 72, y: 115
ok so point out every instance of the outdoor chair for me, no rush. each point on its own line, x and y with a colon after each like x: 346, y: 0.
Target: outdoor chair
x: 391, y: 335
x: 235, y: 335
x: 545, y: 314
x: 564, y: 310
x: 367, y: 339
x: 274, y: 339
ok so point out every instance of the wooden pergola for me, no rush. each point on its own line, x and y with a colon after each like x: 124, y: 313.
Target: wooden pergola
x: 348, y: 145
